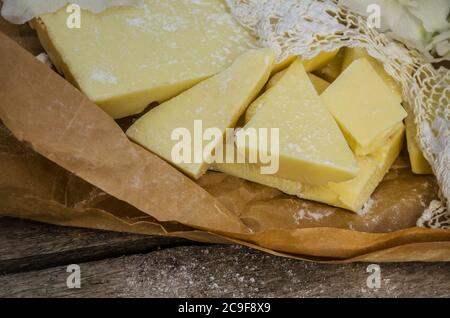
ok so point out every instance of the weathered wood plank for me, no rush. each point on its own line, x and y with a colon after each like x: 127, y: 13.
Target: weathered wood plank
x: 218, y: 271
x: 26, y: 245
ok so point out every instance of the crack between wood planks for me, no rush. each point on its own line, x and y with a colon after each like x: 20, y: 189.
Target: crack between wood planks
x: 86, y: 254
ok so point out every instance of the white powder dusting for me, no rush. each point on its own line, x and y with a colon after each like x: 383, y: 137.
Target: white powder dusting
x: 197, y: 2
x: 295, y: 147
x: 219, y: 56
x: 43, y: 58
x: 172, y: 24
x: 136, y: 182
x: 103, y: 76
x: 136, y: 22
x: 312, y: 216
x: 367, y: 207
x: 170, y: 27
x: 221, y: 18
x: 225, y: 84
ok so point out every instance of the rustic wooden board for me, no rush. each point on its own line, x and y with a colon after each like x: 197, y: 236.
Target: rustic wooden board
x: 218, y: 271
x: 27, y: 245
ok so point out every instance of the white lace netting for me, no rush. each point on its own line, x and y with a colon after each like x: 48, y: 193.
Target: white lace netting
x: 306, y: 27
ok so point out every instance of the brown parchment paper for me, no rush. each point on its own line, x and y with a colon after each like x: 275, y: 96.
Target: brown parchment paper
x: 64, y: 161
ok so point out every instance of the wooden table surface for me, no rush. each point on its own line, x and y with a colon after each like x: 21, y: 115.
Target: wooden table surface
x: 34, y: 259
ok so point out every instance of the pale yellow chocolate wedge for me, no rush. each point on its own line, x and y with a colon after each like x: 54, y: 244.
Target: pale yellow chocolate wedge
x: 332, y: 69
x: 312, y: 147
x: 350, y: 195
x: 217, y: 102
x: 319, y: 84
x: 125, y: 58
x: 364, y: 107
x: 353, y: 54
x: 317, y: 62
x: 419, y: 165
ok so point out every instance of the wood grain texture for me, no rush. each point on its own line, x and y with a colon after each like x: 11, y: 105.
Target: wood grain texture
x: 26, y: 245
x: 228, y: 271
